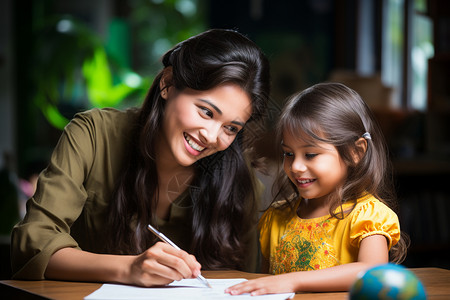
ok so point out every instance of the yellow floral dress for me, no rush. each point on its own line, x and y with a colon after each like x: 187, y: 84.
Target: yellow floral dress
x: 294, y: 244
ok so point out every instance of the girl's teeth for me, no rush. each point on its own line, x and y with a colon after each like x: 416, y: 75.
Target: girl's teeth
x: 305, y: 181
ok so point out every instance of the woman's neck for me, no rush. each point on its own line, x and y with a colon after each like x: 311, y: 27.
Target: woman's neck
x: 173, y: 178
x: 172, y: 182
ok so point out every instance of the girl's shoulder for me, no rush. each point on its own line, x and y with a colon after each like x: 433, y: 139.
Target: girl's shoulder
x: 369, y: 200
x: 369, y: 207
x: 371, y: 216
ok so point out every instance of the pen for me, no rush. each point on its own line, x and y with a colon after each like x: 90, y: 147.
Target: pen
x: 165, y: 239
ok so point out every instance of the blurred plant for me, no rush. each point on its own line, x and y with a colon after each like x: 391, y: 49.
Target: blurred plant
x: 157, y: 25
x: 73, y: 69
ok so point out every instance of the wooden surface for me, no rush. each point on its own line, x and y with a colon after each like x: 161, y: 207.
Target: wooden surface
x: 435, y: 280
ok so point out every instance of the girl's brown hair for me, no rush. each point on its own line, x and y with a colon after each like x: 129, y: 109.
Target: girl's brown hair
x: 335, y: 114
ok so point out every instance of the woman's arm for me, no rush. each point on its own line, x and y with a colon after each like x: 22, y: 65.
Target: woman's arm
x: 373, y: 251
x: 159, y: 265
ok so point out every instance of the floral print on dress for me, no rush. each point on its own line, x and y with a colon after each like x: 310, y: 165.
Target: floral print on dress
x: 306, y: 245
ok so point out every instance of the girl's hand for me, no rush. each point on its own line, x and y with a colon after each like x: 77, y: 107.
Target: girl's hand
x: 264, y: 285
x: 373, y: 251
x: 162, y: 264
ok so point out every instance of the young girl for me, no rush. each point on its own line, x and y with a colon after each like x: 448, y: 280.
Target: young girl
x: 336, y: 220
x: 172, y: 163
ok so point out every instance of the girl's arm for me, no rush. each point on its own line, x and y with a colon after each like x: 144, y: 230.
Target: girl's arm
x: 373, y: 251
x: 158, y: 265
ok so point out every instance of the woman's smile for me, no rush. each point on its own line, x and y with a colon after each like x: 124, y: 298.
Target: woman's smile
x: 197, y: 124
x: 192, y: 146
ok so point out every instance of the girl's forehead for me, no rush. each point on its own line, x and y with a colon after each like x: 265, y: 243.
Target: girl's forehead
x: 303, y: 140
x: 297, y: 138
x: 304, y: 134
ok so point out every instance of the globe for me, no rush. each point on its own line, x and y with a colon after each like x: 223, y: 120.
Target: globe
x: 387, y: 281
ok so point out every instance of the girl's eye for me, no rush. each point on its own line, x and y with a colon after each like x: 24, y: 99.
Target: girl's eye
x: 288, y: 154
x: 288, y: 157
x: 310, y: 155
x: 206, y: 111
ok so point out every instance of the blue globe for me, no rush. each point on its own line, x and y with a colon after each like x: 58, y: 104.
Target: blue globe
x: 388, y: 281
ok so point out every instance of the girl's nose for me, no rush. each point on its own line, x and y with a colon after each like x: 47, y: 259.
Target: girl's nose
x: 298, y: 165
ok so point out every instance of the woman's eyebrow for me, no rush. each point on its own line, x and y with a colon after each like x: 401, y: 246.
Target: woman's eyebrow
x: 212, y: 105
x: 219, y: 111
x: 238, y: 123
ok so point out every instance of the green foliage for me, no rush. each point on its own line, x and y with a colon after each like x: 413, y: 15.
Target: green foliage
x: 73, y: 69
x: 102, y: 92
x: 157, y: 25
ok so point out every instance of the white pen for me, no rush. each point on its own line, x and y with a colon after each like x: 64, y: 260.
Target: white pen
x: 165, y: 239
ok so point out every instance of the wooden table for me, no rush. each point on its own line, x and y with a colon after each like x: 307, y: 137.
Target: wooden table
x: 435, y: 280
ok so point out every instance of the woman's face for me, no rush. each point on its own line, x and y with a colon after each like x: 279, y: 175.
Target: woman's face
x: 200, y: 123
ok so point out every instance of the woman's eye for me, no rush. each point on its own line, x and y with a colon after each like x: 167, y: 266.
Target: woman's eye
x: 232, y: 129
x: 207, y: 111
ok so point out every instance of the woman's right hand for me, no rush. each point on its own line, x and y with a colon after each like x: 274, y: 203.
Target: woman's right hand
x: 158, y: 265
x: 162, y: 264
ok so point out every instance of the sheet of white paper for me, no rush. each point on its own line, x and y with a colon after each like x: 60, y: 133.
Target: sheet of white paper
x: 185, y: 289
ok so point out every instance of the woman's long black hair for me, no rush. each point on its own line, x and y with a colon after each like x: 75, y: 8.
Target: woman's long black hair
x: 223, y: 200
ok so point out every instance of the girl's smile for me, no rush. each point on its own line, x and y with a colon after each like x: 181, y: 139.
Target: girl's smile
x: 304, y: 183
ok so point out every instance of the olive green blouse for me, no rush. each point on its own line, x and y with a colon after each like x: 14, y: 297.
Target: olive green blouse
x: 69, y: 208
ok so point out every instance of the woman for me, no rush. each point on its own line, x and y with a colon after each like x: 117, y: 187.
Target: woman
x: 178, y: 163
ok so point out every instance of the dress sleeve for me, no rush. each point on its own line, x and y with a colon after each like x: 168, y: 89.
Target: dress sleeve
x: 57, y: 203
x: 374, y: 217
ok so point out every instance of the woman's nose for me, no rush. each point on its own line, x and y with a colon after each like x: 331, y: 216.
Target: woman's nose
x: 210, y: 135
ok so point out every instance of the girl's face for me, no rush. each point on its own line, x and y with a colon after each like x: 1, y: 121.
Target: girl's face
x: 200, y: 123
x: 316, y: 170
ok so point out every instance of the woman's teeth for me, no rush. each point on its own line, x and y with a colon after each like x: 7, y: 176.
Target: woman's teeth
x: 193, y: 144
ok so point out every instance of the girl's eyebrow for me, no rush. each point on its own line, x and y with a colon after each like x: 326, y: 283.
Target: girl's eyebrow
x: 219, y: 111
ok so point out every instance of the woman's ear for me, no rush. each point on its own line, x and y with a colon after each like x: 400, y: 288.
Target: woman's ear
x: 359, y: 150
x: 165, y: 82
